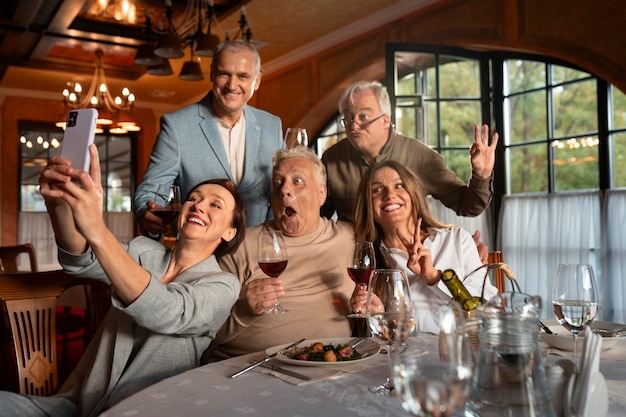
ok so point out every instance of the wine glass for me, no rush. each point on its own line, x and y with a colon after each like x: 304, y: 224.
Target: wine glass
x: 575, y: 298
x: 389, y: 314
x: 168, y: 201
x: 361, y: 263
x: 272, y: 256
x: 295, y: 136
x: 431, y: 387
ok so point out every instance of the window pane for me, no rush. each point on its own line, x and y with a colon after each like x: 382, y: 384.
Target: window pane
x: 457, y: 122
x: 409, y: 116
x: 459, y: 78
x: 430, y: 136
x: 563, y: 74
x: 575, y: 109
x: 576, y: 164
x: 37, y: 146
x: 619, y: 108
x: 410, y: 72
x: 525, y: 75
x: 458, y: 161
x: 619, y: 160
x: 528, y: 169
x: 527, y: 115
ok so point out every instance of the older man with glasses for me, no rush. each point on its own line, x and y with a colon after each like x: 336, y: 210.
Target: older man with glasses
x: 366, y: 111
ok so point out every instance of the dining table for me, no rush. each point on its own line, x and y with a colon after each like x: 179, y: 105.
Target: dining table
x: 332, y: 391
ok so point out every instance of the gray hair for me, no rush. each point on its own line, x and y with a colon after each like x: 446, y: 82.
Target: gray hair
x: 379, y: 90
x: 300, y: 152
x: 237, y: 46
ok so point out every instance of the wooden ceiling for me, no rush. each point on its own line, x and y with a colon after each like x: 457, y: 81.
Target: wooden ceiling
x: 46, y: 43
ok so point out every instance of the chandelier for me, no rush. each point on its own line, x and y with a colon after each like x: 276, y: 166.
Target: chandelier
x: 99, y: 97
x: 193, y: 30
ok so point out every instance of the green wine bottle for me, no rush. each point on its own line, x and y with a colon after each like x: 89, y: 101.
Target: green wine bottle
x: 459, y: 291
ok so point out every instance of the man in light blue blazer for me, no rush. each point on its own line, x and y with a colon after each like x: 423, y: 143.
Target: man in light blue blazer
x: 218, y: 137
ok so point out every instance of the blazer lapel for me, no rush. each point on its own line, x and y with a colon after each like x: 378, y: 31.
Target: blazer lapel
x: 253, y: 141
x: 208, y: 126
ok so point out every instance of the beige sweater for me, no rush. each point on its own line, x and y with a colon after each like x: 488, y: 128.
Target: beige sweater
x: 317, y: 291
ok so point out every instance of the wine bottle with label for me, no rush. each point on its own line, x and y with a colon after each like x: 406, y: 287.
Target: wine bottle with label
x: 459, y: 291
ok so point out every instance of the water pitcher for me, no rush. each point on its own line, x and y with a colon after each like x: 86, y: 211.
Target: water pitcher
x: 509, y: 376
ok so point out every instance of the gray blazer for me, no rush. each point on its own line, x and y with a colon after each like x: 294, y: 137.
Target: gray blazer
x: 162, y: 333
x: 189, y: 150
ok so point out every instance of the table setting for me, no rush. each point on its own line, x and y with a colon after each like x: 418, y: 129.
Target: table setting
x: 517, y: 369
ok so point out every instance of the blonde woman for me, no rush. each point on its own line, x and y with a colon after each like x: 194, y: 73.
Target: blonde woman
x: 391, y: 211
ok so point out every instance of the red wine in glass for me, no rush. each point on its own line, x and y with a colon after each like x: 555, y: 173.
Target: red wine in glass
x: 168, y: 202
x: 273, y: 269
x: 272, y: 259
x: 168, y: 215
x: 361, y: 263
x: 360, y: 275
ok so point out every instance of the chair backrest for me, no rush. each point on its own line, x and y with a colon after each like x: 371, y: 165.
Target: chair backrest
x: 9, y: 254
x: 500, y: 278
x: 30, y: 303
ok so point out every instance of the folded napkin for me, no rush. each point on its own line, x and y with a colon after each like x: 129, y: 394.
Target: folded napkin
x: 589, y: 365
x: 316, y: 373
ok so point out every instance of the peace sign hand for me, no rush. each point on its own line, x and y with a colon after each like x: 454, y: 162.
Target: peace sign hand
x: 420, y: 260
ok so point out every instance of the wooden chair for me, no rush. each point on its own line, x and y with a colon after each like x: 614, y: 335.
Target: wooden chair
x: 9, y: 255
x: 29, y: 349
x: 500, y: 278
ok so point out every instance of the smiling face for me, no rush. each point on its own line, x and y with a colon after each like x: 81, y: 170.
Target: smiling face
x: 234, y: 82
x: 207, y: 215
x: 391, y: 203
x: 297, y: 196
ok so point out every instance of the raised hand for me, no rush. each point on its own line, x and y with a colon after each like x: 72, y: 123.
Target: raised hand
x: 420, y: 259
x: 483, y: 155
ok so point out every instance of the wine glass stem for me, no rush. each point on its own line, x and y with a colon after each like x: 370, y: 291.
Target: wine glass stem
x: 576, y: 359
x: 389, y: 382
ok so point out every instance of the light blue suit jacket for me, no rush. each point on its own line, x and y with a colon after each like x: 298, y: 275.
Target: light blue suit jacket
x: 189, y: 150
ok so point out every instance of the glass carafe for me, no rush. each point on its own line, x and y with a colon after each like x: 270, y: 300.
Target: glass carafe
x: 509, y: 376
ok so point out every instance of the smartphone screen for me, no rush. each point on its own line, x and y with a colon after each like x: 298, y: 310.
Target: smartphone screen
x: 80, y: 130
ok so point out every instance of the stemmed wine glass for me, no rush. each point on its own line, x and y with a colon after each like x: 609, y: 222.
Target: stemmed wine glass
x: 295, y: 136
x: 575, y: 298
x: 389, y: 314
x: 361, y: 263
x: 168, y: 201
x: 272, y: 257
x: 431, y: 387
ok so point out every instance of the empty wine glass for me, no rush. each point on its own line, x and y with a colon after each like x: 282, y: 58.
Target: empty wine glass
x: 361, y: 263
x: 389, y: 314
x: 272, y: 258
x: 295, y: 136
x: 431, y: 387
x: 575, y: 298
x: 168, y: 201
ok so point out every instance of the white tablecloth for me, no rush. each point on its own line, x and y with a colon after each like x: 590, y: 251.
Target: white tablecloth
x: 208, y: 391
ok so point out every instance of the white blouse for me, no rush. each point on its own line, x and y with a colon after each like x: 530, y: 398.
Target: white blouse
x: 450, y: 249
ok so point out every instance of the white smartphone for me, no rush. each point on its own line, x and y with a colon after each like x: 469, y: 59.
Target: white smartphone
x: 80, y: 132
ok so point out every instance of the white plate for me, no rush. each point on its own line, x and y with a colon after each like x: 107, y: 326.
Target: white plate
x: 563, y: 339
x: 369, y: 347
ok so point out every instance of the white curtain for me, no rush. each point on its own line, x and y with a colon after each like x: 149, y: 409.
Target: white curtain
x: 537, y: 232
x: 614, y: 278
x: 470, y: 224
x: 35, y: 228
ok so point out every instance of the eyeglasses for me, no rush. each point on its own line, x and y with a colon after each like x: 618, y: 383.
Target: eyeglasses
x: 362, y: 120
